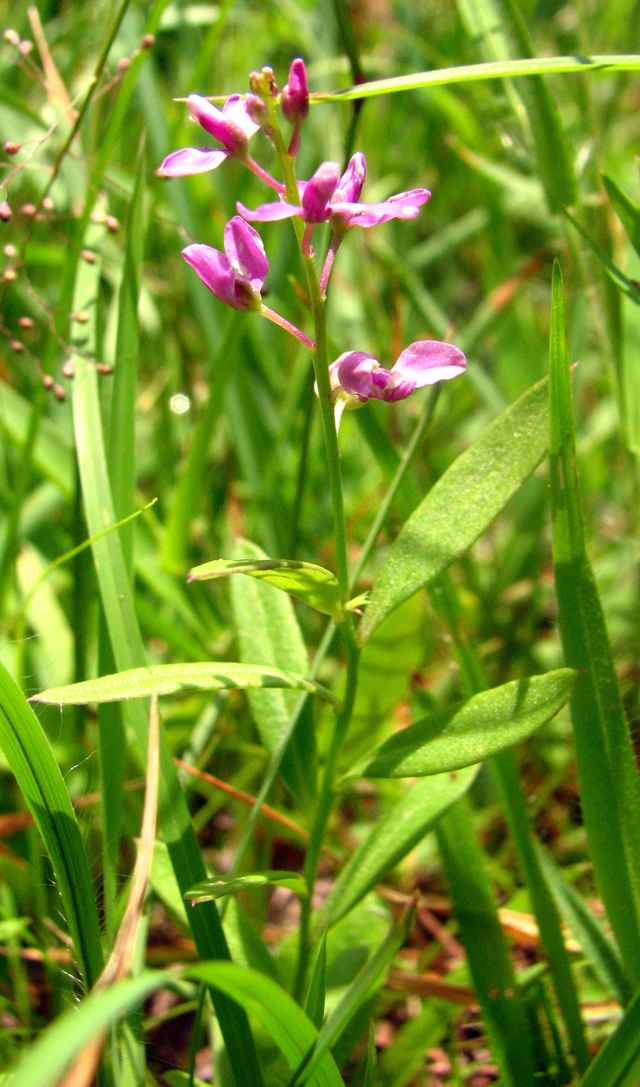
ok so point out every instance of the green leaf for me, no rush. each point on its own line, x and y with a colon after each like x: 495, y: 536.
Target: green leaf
x: 278, y: 1013
x: 393, y: 837
x: 44, y: 1062
x: 626, y: 209
x: 607, y: 770
x: 314, y: 1003
x: 221, y: 886
x: 268, y: 633
x: 365, y: 981
x: 462, y: 504
x: 473, y: 731
x: 31, y: 759
x: 313, y: 584
x: 626, y: 285
x: 587, y: 930
x: 616, y: 1063
x: 472, y: 73
x: 164, y: 679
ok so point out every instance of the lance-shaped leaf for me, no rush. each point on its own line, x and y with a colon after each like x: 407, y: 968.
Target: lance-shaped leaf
x: 222, y: 886
x: 173, y: 679
x: 471, y: 731
x: 626, y: 209
x: 463, y: 503
x: 393, y: 837
x: 313, y: 584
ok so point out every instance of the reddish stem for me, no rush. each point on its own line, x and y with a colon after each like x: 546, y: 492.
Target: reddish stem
x: 271, y: 315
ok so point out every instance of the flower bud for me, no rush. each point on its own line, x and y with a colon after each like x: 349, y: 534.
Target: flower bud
x: 47, y: 381
x: 5, y: 212
x: 25, y: 47
x: 295, y: 96
x: 12, y: 37
x: 113, y: 226
x: 10, y: 275
x: 11, y: 147
x: 148, y: 41
x: 263, y: 84
x: 47, y: 204
x: 28, y: 209
x: 17, y: 346
x: 88, y: 255
x: 10, y: 251
x: 257, y: 111
x: 68, y: 368
x: 124, y: 63
x: 59, y: 393
x: 26, y: 322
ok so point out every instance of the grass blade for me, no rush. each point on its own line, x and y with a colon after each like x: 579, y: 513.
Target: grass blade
x: 615, y: 1065
x: 472, y: 73
x: 31, y: 759
x: 314, y: 1004
x: 128, y: 650
x: 610, y: 790
x: 484, y: 942
x: 313, y: 584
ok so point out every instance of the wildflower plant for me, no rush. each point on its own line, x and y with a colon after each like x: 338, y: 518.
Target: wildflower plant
x: 311, y: 729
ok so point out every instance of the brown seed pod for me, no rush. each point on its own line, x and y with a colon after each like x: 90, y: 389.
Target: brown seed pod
x: 113, y: 226
x: 5, y: 212
x: 103, y: 368
x: 88, y: 255
x: 11, y: 147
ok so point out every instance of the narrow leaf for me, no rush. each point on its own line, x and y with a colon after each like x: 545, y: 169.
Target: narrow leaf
x: 164, y: 679
x: 607, y: 770
x: 587, y: 930
x: 268, y: 633
x: 31, y: 759
x: 626, y: 285
x: 221, y: 886
x: 313, y: 584
x: 473, y: 731
x: 366, y: 979
x: 314, y: 1004
x: 463, y: 503
x: 619, y: 1054
x: 393, y: 837
x: 626, y: 209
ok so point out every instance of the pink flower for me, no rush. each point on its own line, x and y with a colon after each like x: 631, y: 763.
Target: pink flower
x: 295, y: 95
x: 327, y: 197
x: 231, y: 126
x: 236, y: 276
x: 357, y: 377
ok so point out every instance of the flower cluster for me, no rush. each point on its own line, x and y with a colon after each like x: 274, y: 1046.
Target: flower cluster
x: 236, y: 277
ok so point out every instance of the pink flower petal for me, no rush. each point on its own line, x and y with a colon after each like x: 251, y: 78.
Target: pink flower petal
x: 428, y: 361
x: 352, y: 180
x: 215, y: 271
x: 318, y: 192
x: 244, y: 248
x: 235, y: 109
x: 191, y: 160
x: 269, y: 213
x: 353, y: 372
